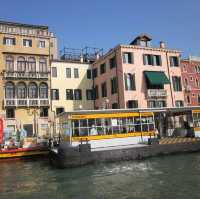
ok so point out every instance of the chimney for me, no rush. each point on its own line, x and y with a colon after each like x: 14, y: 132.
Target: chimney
x: 97, y: 56
x: 81, y: 58
x: 162, y: 44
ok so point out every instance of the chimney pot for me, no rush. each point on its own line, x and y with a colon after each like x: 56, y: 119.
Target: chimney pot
x: 162, y: 44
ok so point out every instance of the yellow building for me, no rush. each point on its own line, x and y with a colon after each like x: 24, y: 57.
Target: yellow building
x: 71, y: 86
x: 25, y: 53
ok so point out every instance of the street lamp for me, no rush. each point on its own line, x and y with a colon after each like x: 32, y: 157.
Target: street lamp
x: 34, y: 112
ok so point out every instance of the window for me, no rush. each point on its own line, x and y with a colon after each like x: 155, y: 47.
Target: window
x: 9, y: 90
x: 9, y: 41
x: 103, y: 90
x: 77, y: 94
x: 21, y: 64
x: 68, y: 72
x: 191, y: 78
x: 132, y: 104
x: 54, y: 72
x: 27, y: 42
x: 32, y: 90
x: 44, y: 112
x: 10, y: 113
x: 76, y: 73
x: 176, y: 83
x: 127, y: 58
x: 114, y: 86
x: 60, y: 110
x: 154, y: 60
x: 113, y: 62
x: 102, y: 68
x: 186, y: 82
x: 89, y: 74
x: 41, y: 44
x: 156, y: 103
x: 115, y: 106
x: 94, y: 73
x: 178, y: 103
x: 174, y: 61
x: 197, y: 83
x: 129, y: 81
x: 188, y: 99
x: 43, y: 65
x: 9, y: 63
x: 21, y: 90
x: 96, y: 92
x: 55, y: 94
x: 31, y: 64
x: 89, y: 94
x: 43, y: 91
x: 198, y: 99
x: 69, y: 94
x: 197, y: 69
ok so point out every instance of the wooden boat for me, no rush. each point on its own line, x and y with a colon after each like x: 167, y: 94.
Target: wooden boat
x: 23, y: 152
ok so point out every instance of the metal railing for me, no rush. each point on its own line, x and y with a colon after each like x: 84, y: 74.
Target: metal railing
x: 26, y: 102
x: 156, y: 93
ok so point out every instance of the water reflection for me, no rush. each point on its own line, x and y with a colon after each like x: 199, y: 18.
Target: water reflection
x: 163, y: 177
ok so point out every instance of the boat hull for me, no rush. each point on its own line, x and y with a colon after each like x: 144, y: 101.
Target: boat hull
x: 20, y: 153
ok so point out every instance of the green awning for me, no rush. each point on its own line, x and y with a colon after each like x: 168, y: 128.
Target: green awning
x: 156, y: 78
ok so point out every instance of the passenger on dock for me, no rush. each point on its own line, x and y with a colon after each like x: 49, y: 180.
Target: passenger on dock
x: 93, y: 131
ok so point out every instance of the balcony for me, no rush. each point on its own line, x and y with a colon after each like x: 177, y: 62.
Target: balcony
x: 25, y: 75
x: 26, y: 102
x: 156, y: 93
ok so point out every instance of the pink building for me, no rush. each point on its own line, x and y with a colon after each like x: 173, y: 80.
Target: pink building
x: 191, y: 79
x: 138, y: 75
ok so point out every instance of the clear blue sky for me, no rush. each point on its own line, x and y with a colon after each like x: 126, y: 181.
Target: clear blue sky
x: 106, y: 23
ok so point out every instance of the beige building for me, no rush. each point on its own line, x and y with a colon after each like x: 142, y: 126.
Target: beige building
x: 71, y: 86
x: 25, y: 53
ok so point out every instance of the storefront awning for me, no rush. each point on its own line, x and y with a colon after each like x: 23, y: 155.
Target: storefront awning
x: 156, y: 78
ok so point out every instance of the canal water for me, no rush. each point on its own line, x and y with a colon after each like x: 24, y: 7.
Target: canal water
x: 173, y: 177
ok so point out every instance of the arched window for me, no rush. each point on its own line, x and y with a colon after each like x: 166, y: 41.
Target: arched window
x: 31, y: 64
x: 43, y: 90
x: 32, y: 90
x: 186, y: 81
x: 21, y: 64
x: 10, y: 63
x: 197, y: 83
x: 10, y: 90
x: 21, y: 90
x: 43, y: 65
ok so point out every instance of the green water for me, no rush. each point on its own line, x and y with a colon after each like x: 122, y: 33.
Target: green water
x: 172, y: 177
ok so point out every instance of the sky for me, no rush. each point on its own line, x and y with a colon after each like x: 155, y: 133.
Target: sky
x: 107, y: 23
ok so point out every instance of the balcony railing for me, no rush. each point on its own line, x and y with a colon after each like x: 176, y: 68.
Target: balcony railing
x: 156, y: 93
x: 26, y: 75
x: 26, y: 102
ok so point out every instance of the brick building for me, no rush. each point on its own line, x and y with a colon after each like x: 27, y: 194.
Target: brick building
x: 190, y: 71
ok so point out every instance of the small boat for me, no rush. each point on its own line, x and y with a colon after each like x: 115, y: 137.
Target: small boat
x: 10, y: 147
x: 23, y: 152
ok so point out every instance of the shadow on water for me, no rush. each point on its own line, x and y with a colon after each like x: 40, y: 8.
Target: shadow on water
x: 174, y: 176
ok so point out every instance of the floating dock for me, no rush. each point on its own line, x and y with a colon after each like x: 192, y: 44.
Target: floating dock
x: 67, y: 157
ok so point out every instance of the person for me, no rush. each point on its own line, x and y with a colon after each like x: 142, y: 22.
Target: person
x: 156, y: 133
x: 93, y: 131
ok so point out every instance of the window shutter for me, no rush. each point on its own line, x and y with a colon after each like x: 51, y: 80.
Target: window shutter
x: 4, y: 40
